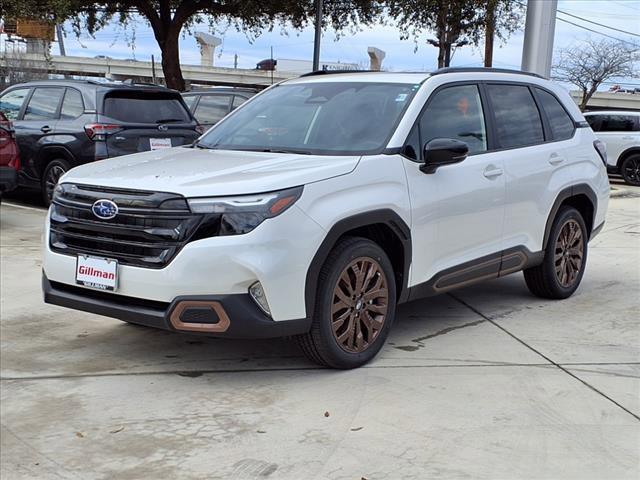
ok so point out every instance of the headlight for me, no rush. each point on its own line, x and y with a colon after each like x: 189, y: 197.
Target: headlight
x: 241, y: 214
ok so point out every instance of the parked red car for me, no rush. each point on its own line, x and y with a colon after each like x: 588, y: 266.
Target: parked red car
x: 9, y: 156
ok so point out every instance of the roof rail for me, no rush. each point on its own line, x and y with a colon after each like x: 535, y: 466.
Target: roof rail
x: 483, y: 69
x: 328, y: 72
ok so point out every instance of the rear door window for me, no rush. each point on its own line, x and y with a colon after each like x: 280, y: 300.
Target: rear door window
x: 561, y: 123
x: 617, y: 123
x: 11, y: 102
x: 141, y: 107
x: 43, y: 104
x: 517, y: 120
x: 72, y: 105
x: 212, y: 108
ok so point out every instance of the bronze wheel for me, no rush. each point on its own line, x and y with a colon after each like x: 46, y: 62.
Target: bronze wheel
x: 360, y: 303
x: 569, y: 253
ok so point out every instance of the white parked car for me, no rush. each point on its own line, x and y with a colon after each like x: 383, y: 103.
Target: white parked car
x: 322, y: 203
x: 620, y: 131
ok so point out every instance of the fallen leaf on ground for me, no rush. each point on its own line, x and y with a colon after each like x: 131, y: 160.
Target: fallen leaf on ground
x: 79, y: 434
x: 119, y: 429
x: 326, y: 414
x: 356, y: 429
x: 261, y: 431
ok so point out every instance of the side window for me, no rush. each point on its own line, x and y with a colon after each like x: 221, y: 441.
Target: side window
x: 455, y: 112
x: 594, y: 122
x: 561, y: 123
x: 43, y: 104
x: 11, y: 102
x: 72, y: 105
x: 190, y: 101
x: 237, y: 101
x: 617, y: 123
x: 212, y: 108
x: 518, y: 122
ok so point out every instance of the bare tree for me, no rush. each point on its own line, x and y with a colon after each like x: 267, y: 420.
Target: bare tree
x: 593, y: 62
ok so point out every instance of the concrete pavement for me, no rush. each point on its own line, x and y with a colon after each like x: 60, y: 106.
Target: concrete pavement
x: 488, y: 382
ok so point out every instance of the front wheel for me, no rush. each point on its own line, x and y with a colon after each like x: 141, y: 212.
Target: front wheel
x: 565, y: 258
x: 630, y: 170
x: 355, y: 306
x: 52, y: 173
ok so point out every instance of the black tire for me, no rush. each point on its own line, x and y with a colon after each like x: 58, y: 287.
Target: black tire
x: 50, y: 176
x: 321, y: 345
x: 630, y: 170
x: 545, y: 280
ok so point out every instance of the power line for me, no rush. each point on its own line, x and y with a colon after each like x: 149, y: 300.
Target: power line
x: 594, y: 31
x: 599, y: 24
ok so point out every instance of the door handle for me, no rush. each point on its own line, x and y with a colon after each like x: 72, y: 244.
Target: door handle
x: 627, y: 137
x: 491, y: 172
x: 555, y: 159
x: 45, y: 129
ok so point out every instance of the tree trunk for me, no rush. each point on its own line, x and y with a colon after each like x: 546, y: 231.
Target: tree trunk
x: 171, y: 60
x: 586, y: 96
x: 447, y: 53
x: 489, y: 33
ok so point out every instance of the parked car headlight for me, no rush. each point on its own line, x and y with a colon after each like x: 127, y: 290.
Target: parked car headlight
x: 241, y: 214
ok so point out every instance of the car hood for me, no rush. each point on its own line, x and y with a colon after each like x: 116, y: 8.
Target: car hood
x: 196, y: 172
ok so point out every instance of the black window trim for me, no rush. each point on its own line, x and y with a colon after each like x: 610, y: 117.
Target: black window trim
x: 489, y: 118
x: 64, y: 96
x: 33, y: 90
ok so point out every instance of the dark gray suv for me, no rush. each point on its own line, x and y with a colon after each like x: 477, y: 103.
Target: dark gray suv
x: 60, y: 124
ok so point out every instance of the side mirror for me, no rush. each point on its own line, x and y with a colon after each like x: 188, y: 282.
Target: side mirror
x: 443, y: 151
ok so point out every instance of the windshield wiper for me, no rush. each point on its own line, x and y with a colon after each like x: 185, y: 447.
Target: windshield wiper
x: 170, y: 120
x: 284, y: 150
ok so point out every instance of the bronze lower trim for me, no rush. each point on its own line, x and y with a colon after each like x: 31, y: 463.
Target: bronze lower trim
x: 220, y: 327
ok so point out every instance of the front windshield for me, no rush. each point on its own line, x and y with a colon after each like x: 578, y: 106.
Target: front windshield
x: 332, y: 118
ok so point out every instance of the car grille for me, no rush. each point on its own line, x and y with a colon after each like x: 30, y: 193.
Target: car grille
x: 148, y: 231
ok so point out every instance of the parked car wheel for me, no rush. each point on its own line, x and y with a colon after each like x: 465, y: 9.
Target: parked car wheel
x: 52, y: 173
x: 630, y: 169
x: 355, y: 306
x: 565, y: 258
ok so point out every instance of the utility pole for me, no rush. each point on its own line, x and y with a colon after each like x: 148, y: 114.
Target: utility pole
x: 60, y: 39
x: 153, y: 70
x: 318, y: 36
x: 539, y: 30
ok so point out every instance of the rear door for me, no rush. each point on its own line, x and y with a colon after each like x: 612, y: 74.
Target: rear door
x: 36, y: 127
x: 145, y: 120
x: 618, y: 131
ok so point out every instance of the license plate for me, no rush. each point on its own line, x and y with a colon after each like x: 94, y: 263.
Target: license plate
x: 96, y: 272
x: 159, y: 143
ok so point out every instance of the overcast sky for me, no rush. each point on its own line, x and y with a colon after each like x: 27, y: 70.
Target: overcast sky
x: 352, y: 48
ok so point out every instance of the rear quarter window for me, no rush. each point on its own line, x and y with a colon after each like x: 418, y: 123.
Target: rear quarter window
x: 141, y: 107
x: 617, y: 123
x: 561, y: 123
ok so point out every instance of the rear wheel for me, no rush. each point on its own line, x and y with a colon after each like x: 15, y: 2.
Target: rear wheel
x: 565, y: 258
x: 52, y: 173
x: 630, y: 170
x: 355, y: 306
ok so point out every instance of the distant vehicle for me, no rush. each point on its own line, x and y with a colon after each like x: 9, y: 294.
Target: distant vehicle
x: 63, y: 123
x: 620, y: 131
x: 211, y: 105
x: 326, y: 200
x: 9, y: 157
x: 302, y: 66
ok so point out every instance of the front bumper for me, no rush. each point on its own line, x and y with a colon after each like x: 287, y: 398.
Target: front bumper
x: 230, y: 316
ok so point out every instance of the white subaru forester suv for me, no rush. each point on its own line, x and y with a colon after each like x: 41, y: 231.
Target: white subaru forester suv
x: 323, y: 202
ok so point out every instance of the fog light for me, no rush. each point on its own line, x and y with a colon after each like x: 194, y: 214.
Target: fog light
x: 257, y: 293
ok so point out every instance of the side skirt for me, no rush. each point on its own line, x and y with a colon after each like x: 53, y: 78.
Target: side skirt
x: 485, y: 268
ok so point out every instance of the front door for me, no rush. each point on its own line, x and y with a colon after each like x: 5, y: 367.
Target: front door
x: 37, y: 126
x: 458, y: 211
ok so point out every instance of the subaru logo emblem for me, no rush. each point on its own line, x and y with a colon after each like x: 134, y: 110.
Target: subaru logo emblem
x: 104, y: 209
x: 163, y: 127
